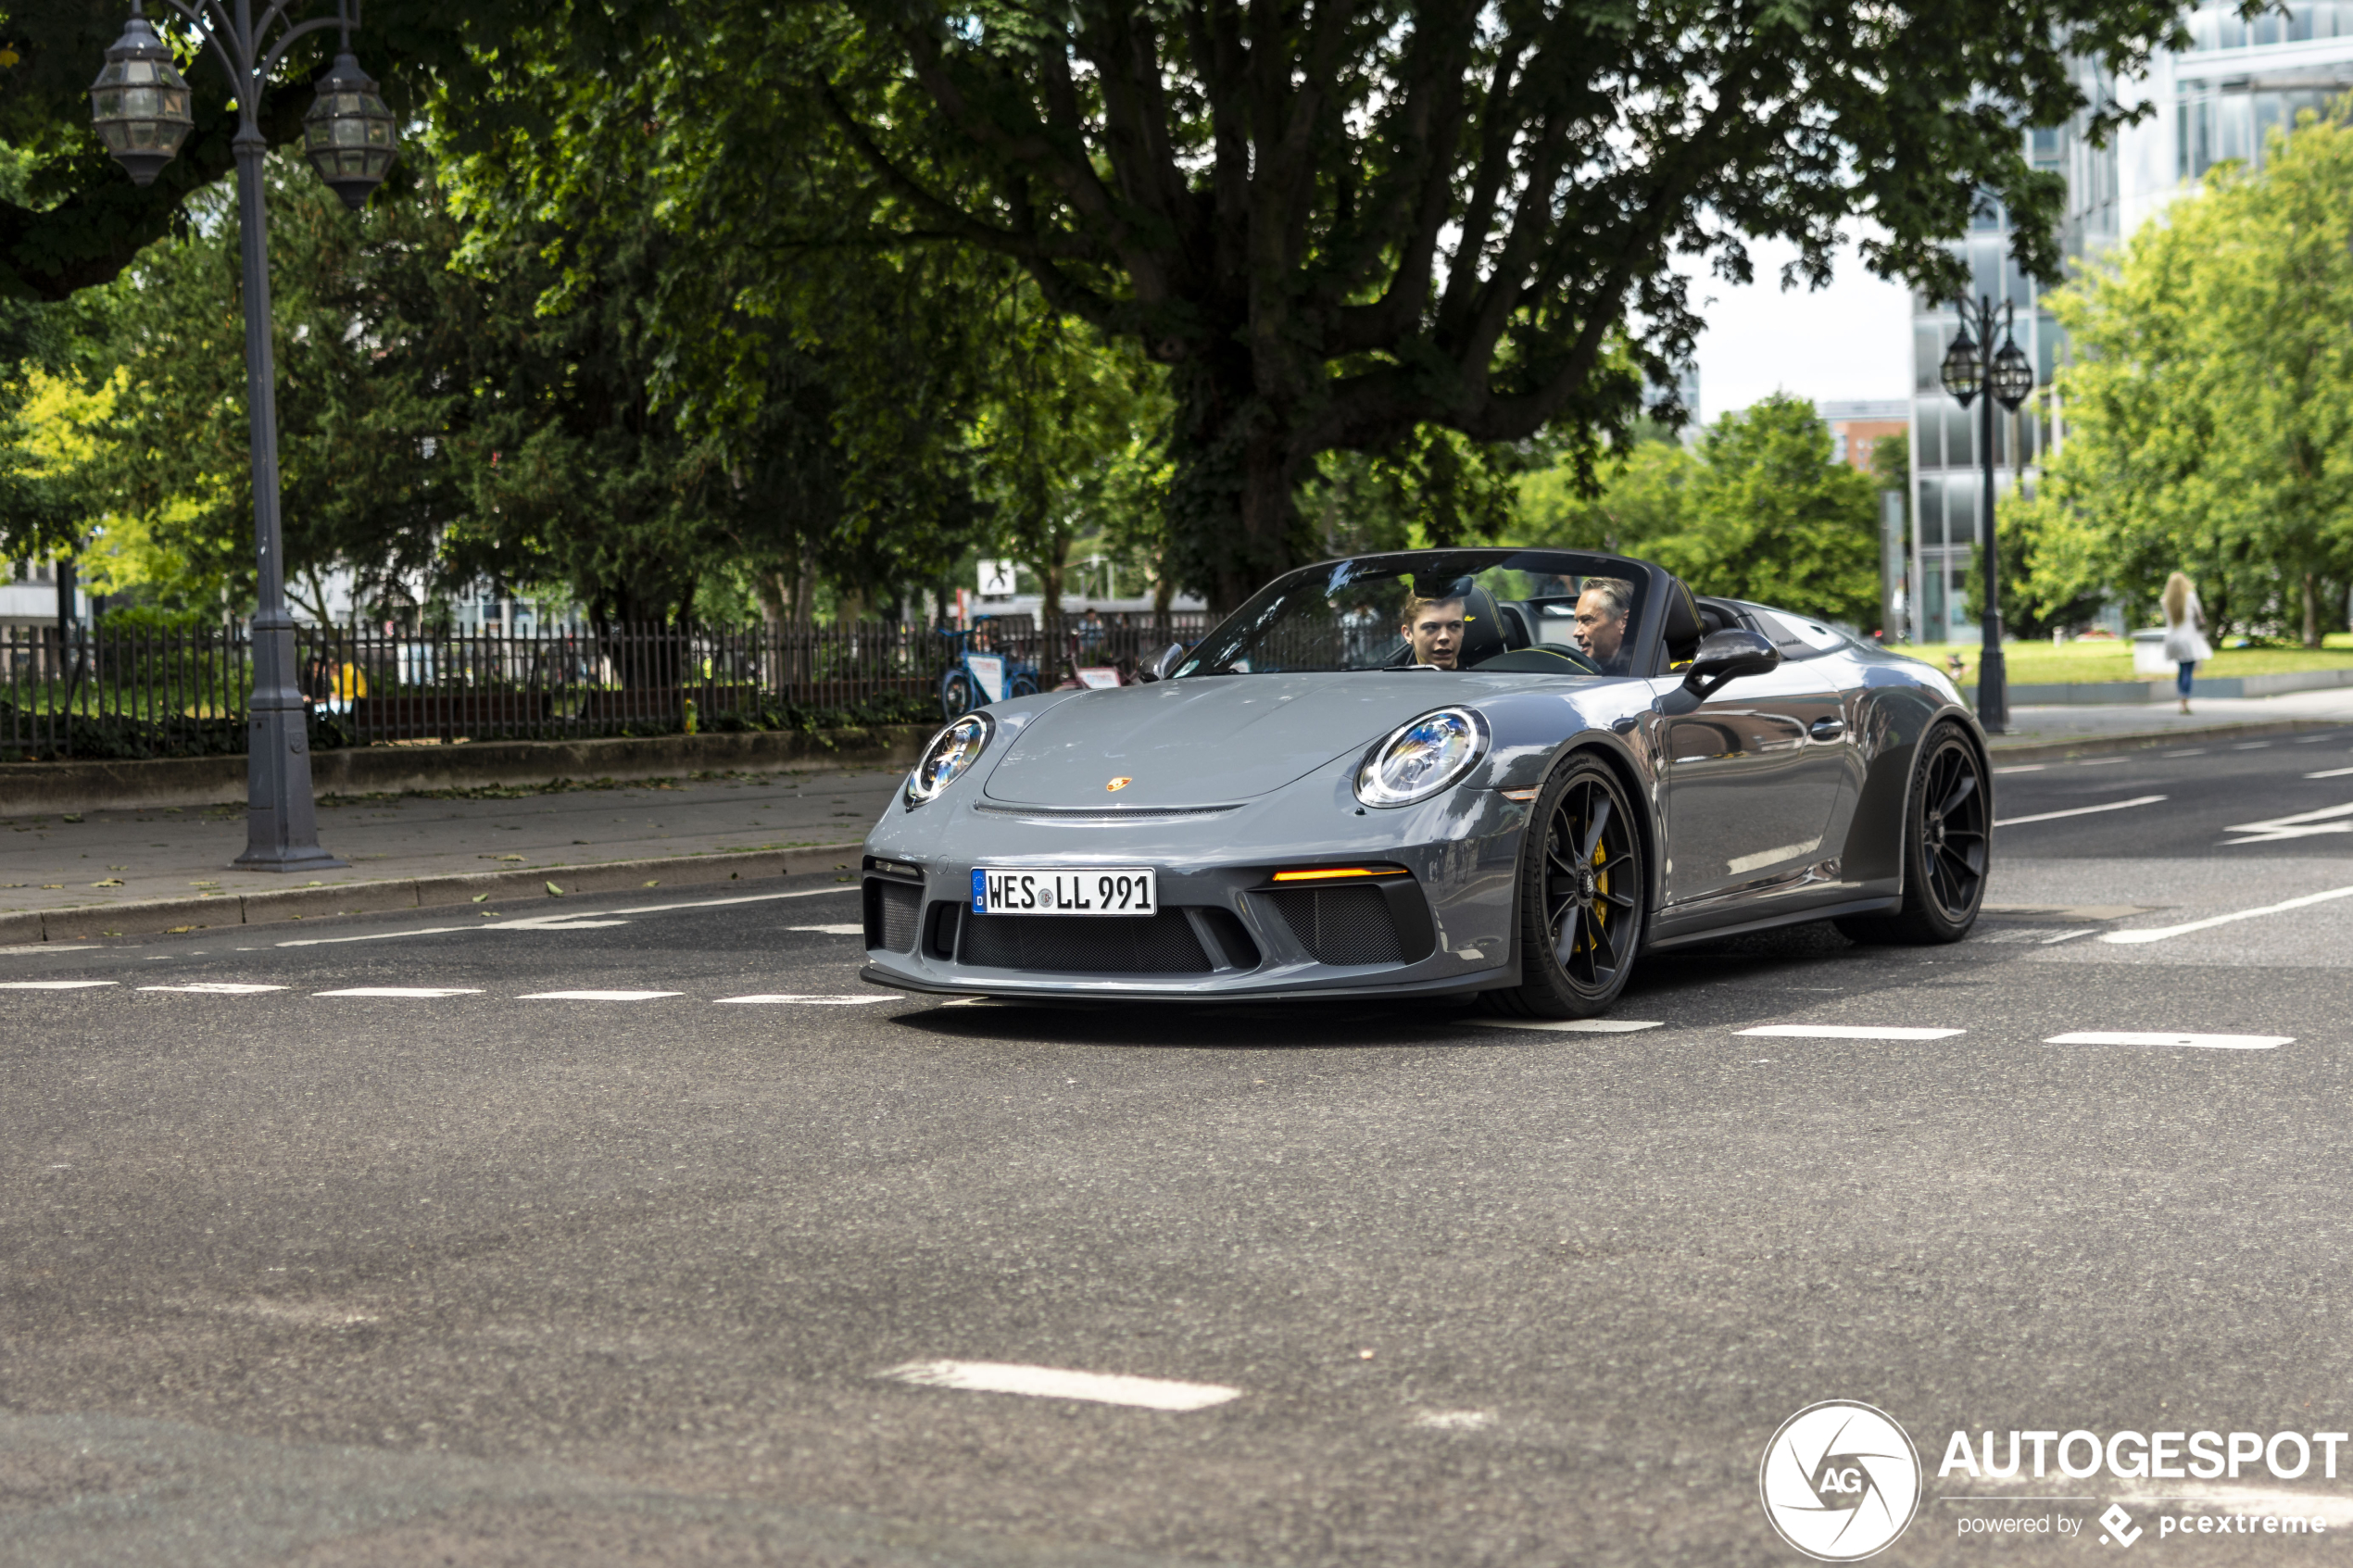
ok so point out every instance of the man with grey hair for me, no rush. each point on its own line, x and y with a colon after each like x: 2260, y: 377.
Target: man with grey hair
x: 1601, y: 607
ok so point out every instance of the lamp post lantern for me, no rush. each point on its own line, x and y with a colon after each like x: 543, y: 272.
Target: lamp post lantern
x: 1972, y: 364
x: 139, y: 107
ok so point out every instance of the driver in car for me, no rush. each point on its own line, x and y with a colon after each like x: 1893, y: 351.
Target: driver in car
x: 1433, y: 631
x: 1601, y: 622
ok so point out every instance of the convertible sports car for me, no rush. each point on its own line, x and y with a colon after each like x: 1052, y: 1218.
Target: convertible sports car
x: 1433, y: 772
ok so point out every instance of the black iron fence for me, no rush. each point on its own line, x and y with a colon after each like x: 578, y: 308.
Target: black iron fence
x: 129, y: 693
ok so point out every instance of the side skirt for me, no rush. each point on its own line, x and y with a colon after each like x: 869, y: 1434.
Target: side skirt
x: 1791, y: 917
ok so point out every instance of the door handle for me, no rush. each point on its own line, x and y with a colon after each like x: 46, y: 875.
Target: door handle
x: 1827, y: 729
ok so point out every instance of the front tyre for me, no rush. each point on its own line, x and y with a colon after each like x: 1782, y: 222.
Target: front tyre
x: 1582, y: 895
x: 1949, y: 843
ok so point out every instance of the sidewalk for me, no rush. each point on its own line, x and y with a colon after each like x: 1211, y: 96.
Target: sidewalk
x: 2122, y: 725
x: 99, y: 859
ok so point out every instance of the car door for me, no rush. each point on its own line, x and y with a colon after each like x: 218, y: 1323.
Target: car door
x: 1754, y: 775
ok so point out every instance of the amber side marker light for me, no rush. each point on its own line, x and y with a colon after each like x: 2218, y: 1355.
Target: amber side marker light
x: 1330, y: 874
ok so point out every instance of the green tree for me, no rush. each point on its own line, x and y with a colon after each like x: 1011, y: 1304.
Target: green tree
x: 1342, y: 222
x: 1645, y: 498
x: 2210, y: 410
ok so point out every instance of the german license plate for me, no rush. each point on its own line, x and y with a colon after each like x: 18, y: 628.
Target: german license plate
x: 1064, y: 890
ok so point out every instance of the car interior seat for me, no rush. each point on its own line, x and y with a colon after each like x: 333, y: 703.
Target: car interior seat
x: 1483, y: 636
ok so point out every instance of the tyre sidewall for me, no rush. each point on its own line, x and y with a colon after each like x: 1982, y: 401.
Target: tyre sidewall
x: 1921, y: 906
x: 1544, y: 990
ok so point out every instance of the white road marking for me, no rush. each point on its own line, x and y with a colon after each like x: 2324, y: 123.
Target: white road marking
x: 2079, y: 811
x: 52, y: 984
x: 2304, y: 824
x: 1570, y: 1026
x: 2204, y: 1042
x: 812, y: 1000
x: 216, y: 988
x: 1850, y: 1031
x: 1053, y: 1383
x: 2160, y: 933
x: 2252, y: 745
x: 567, y: 920
x: 1455, y: 1421
x: 50, y: 947
x: 2193, y: 751
x: 404, y: 991
x: 596, y: 996
x: 2066, y: 936
x: 2101, y: 761
x: 2323, y: 774
x: 846, y: 929
x: 2023, y: 768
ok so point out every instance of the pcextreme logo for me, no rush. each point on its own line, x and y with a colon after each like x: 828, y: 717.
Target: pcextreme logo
x: 1839, y: 1481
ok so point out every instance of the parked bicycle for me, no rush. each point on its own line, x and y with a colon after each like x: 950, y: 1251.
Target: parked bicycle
x: 977, y: 665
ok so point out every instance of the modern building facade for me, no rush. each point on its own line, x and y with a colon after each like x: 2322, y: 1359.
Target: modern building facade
x: 2218, y: 100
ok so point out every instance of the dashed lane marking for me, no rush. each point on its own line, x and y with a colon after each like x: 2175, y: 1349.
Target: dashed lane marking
x: 2160, y: 934
x: 54, y: 984
x: 2191, y: 751
x: 568, y: 920
x: 2330, y: 773
x: 404, y: 991
x: 48, y: 947
x: 1054, y: 1383
x: 1570, y: 1026
x: 596, y: 996
x: 1850, y: 1031
x: 2079, y: 811
x: 846, y: 929
x: 2253, y: 746
x: 811, y: 1000
x: 217, y: 988
x: 2197, y: 1042
x: 2023, y: 768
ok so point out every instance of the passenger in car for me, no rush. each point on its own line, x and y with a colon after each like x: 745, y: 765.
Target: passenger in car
x: 1601, y: 622
x: 1433, y: 629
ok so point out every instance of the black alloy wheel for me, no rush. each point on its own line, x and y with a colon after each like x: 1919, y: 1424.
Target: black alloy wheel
x: 1948, y: 846
x: 1582, y: 893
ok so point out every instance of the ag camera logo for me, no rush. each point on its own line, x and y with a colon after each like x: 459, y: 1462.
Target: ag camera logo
x: 1839, y: 1481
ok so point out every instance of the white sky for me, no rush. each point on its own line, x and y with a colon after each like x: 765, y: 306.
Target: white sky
x: 1851, y: 340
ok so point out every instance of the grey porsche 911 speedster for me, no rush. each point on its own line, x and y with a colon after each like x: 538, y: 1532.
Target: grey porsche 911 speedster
x: 1435, y: 773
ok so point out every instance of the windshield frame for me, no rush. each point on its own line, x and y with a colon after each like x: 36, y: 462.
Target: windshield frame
x: 1653, y: 583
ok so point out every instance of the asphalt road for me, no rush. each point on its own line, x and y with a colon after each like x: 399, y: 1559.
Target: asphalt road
x: 493, y: 1277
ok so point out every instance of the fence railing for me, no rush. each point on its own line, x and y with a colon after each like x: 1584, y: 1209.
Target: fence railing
x: 128, y: 694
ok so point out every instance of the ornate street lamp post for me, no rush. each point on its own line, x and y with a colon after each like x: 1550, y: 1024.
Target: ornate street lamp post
x: 2006, y: 379
x: 139, y: 107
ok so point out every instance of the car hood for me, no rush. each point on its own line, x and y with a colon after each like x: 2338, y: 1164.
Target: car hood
x: 1210, y: 739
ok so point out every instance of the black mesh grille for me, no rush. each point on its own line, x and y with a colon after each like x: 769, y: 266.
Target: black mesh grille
x: 1164, y: 944
x: 893, y: 910
x: 1339, y: 926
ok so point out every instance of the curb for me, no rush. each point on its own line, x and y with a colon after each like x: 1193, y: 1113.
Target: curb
x: 174, y: 915
x: 390, y: 769
x: 2094, y: 745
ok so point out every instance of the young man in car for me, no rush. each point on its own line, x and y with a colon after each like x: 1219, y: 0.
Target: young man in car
x: 1433, y: 631
x: 1601, y: 622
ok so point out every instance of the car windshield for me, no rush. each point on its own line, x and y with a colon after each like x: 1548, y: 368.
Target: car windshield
x: 1531, y: 611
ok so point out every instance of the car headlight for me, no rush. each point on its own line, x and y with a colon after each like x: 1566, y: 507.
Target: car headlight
x: 1422, y: 758
x: 948, y: 757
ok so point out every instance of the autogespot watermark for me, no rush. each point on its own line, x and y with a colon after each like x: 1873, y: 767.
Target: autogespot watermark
x: 1841, y: 1482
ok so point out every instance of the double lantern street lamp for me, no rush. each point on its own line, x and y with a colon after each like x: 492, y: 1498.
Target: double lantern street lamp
x: 139, y: 106
x: 1972, y: 366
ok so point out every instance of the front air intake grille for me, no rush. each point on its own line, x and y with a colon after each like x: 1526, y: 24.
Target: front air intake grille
x: 1164, y: 943
x: 893, y: 911
x: 1339, y: 926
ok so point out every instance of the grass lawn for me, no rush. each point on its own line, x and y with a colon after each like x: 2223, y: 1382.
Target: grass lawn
x: 2042, y: 664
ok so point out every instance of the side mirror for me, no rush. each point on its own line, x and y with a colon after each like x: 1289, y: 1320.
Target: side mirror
x: 1166, y: 660
x: 1728, y: 656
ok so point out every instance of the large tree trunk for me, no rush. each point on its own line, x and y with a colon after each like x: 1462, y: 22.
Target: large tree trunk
x: 1234, y: 516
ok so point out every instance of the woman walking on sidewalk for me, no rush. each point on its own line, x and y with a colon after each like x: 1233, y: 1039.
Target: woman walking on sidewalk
x: 2185, y: 642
